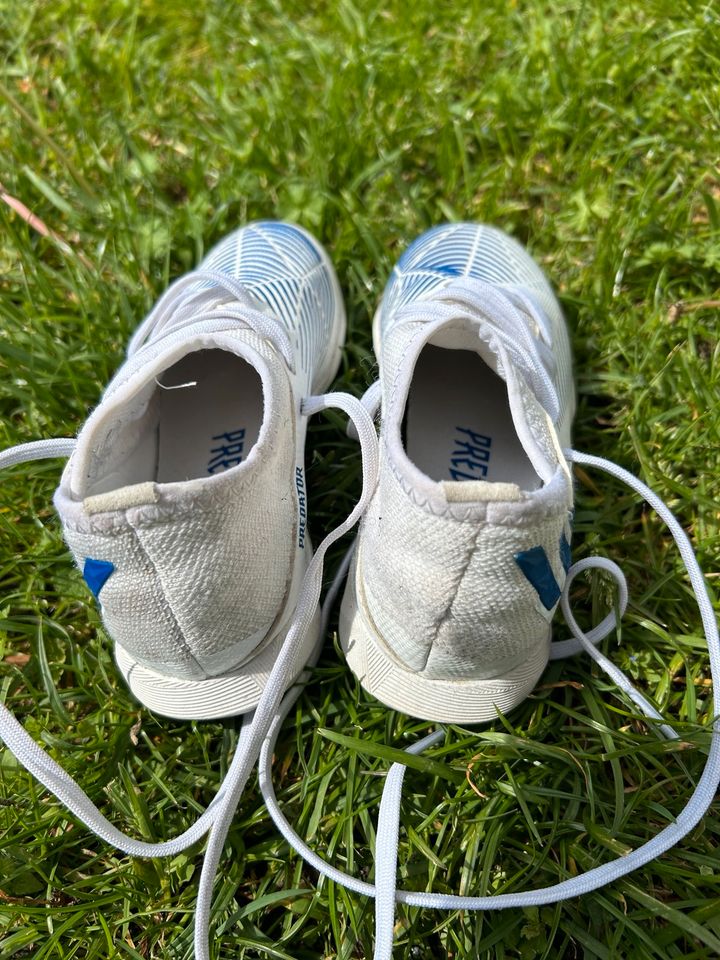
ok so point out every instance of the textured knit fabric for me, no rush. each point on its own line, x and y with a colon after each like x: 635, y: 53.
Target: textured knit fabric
x: 205, y: 567
x: 200, y: 539
x: 453, y: 251
x: 442, y: 585
x: 439, y: 575
x: 280, y: 266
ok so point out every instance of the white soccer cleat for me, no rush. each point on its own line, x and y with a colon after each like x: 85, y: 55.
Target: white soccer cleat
x: 184, y: 500
x: 462, y: 555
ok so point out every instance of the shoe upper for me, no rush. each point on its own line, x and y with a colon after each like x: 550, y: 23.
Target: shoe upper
x: 183, y: 503
x: 285, y: 269
x: 450, y: 253
x: 463, y: 551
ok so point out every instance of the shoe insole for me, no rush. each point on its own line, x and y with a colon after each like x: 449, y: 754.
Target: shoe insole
x: 459, y: 425
x: 210, y: 414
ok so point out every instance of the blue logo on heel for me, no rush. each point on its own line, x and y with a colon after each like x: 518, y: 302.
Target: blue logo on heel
x: 96, y: 573
x: 535, y: 565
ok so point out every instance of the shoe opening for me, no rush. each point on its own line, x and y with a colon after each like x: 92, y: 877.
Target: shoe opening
x: 458, y: 423
x: 201, y: 416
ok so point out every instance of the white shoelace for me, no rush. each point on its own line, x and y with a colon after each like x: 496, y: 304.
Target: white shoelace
x: 260, y: 730
x: 208, y: 299
x: 197, y: 295
x: 385, y: 892
x: 264, y: 726
x: 507, y: 319
x: 68, y: 791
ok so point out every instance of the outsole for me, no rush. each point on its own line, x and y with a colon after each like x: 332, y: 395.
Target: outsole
x: 229, y: 695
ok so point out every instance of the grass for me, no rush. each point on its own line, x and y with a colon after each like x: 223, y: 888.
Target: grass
x: 141, y: 133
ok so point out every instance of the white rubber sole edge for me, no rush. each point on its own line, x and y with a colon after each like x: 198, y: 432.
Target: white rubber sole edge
x: 444, y: 701
x: 229, y: 695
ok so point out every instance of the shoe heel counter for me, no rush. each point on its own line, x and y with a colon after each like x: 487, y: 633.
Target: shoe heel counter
x: 133, y: 605
x: 188, y: 596
x: 449, y: 596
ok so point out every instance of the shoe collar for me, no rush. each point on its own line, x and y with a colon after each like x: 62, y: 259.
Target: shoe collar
x: 535, y: 425
x: 127, y: 398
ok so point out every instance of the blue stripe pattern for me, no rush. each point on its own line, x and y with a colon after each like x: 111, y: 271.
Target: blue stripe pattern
x: 462, y: 250
x: 454, y: 251
x: 281, y: 267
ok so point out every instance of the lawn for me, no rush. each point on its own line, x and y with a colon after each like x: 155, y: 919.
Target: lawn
x: 141, y: 132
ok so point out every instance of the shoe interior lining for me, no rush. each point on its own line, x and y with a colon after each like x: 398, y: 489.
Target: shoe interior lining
x: 203, y: 418
x: 458, y: 422
x: 209, y: 426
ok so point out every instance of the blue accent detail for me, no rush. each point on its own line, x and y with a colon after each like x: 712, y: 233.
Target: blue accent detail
x: 536, y: 567
x: 285, y: 269
x: 565, y: 553
x: 287, y: 232
x: 447, y: 269
x: 96, y: 573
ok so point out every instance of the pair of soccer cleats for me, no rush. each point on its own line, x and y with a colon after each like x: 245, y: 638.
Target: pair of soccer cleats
x: 184, y: 504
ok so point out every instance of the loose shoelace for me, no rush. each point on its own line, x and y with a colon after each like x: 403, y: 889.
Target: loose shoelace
x: 385, y: 892
x: 197, y: 296
x: 260, y: 730
x: 507, y: 319
x: 506, y: 322
x: 190, y: 301
x: 509, y: 322
x: 255, y: 726
x: 181, y: 306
